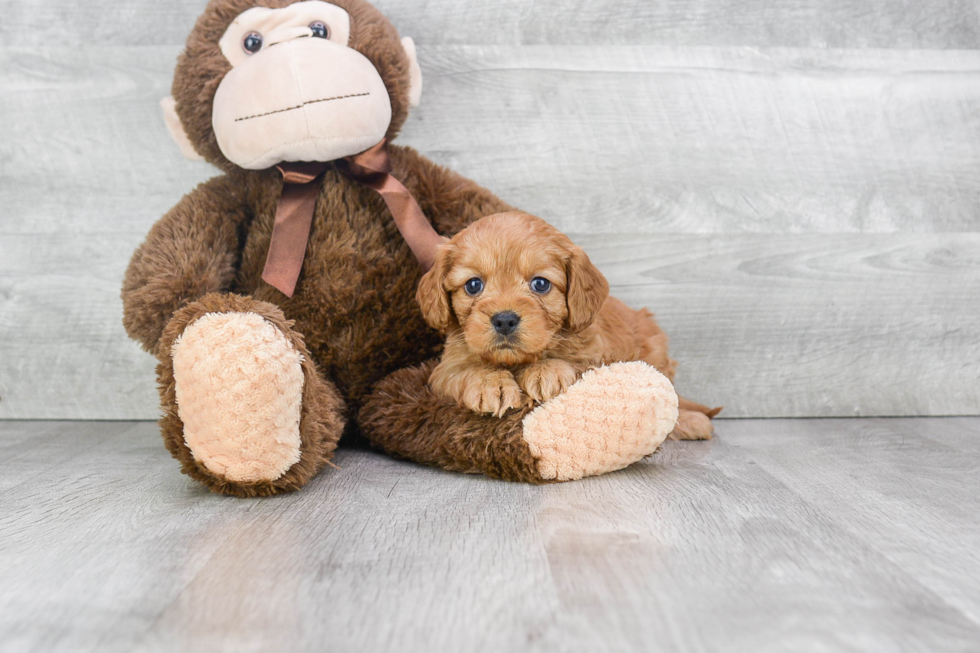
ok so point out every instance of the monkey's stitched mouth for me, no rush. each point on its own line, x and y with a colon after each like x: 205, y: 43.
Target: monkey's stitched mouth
x: 300, y: 106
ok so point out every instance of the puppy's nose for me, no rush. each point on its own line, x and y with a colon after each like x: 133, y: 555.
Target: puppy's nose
x: 505, y: 322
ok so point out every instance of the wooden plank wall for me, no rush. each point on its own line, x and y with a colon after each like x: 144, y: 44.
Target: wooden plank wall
x: 792, y: 185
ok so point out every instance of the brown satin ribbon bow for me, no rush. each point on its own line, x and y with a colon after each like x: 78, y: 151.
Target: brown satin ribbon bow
x: 294, y: 215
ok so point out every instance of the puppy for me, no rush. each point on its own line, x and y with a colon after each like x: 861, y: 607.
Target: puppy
x: 525, y: 313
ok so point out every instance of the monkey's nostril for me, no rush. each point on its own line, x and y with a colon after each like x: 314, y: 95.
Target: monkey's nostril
x: 505, y: 322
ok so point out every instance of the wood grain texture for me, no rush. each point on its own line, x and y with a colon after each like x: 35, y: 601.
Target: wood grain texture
x: 63, y: 350
x: 594, y: 139
x: 884, y: 460
x: 811, y: 536
x: 771, y: 325
x: 795, y: 23
x: 646, y: 139
x: 84, y: 148
x: 794, y: 215
x: 811, y: 325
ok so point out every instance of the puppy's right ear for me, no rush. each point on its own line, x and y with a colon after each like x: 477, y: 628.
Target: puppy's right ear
x: 432, y: 296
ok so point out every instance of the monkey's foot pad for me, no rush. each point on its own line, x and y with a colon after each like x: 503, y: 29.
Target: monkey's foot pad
x: 239, y: 386
x: 612, y: 417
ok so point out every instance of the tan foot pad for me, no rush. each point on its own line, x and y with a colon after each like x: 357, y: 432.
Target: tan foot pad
x: 612, y: 417
x: 239, y: 388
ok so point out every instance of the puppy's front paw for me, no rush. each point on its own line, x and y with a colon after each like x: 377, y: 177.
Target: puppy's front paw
x: 493, y: 392
x: 546, y: 379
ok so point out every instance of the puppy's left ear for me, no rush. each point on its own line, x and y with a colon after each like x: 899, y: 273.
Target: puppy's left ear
x: 432, y: 297
x: 587, y: 290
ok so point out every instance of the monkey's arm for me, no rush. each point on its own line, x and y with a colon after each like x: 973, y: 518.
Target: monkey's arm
x: 448, y: 199
x: 192, y: 251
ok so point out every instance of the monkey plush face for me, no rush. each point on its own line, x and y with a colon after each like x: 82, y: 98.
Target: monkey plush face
x: 297, y: 91
x: 271, y: 81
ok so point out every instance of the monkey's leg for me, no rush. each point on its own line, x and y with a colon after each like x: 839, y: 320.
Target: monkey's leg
x: 244, y: 409
x: 610, y: 418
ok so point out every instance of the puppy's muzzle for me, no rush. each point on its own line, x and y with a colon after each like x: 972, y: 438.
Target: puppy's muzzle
x: 505, y: 322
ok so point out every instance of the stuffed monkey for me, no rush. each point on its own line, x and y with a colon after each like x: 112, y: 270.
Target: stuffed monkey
x: 280, y: 300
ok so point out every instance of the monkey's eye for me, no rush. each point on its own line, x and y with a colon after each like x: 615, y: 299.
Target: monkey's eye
x: 474, y: 286
x: 540, y: 285
x: 320, y: 30
x: 252, y: 42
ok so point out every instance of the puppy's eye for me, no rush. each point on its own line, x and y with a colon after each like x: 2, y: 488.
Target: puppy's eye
x: 540, y: 285
x: 320, y: 30
x: 474, y: 286
x: 252, y: 42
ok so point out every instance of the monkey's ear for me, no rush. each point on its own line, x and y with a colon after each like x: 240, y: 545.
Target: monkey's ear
x: 587, y: 290
x: 414, y: 72
x: 170, y: 117
x: 432, y: 296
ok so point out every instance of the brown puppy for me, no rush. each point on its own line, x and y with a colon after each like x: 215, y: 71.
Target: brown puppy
x: 525, y: 313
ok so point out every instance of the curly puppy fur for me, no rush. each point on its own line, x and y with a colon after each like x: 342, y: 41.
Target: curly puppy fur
x: 559, y: 319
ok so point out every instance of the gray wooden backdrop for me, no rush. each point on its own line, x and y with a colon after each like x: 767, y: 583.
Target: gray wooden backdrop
x: 792, y: 185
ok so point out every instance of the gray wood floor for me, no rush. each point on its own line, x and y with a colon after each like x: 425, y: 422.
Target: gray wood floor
x: 780, y: 535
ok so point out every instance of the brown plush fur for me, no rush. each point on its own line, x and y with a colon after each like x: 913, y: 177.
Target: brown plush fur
x: 354, y: 304
x: 570, y: 328
x: 406, y: 419
x: 355, y: 299
x: 321, y: 421
x: 353, y: 315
